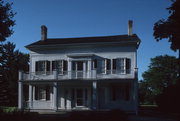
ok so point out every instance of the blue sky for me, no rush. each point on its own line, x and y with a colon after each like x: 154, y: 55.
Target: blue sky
x: 81, y: 18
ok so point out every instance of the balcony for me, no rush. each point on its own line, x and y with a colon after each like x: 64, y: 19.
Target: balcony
x: 68, y: 75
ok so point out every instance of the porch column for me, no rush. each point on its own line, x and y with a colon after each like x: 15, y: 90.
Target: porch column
x: 111, y: 66
x: 55, y: 86
x: 84, y: 70
x: 30, y: 96
x: 68, y: 100
x: 20, y: 95
x: 69, y: 69
x: 89, y: 68
x: 94, y: 95
x: 62, y: 98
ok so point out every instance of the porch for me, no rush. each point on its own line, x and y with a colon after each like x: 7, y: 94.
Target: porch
x: 78, y: 95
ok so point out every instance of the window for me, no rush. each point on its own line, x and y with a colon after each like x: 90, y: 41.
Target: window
x: 123, y: 65
x: 42, y: 67
x: 106, y: 66
x: 120, y: 92
x: 60, y: 66
x: 42, y: 92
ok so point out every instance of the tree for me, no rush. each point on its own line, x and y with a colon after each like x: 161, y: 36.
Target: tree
x: 162, y: 73
x: 170, y: 28
x: 6, y: 20
x: 11, y: 62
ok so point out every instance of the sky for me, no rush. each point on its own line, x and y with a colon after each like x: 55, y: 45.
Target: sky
x: 86, y: 18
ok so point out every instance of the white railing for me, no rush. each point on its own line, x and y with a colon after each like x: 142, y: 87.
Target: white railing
x: 90, y: 74
x: 38, y: 104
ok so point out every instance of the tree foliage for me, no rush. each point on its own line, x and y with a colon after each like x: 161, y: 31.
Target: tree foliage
x: 169, y: 28
x: 11, y: 62
x: 6, y: 20
x: 162, y: 73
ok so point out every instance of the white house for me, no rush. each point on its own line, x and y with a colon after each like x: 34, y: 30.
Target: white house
x: 87, y: 73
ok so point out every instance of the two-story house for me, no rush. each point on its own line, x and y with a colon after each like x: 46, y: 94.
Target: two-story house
x: 86, y: 73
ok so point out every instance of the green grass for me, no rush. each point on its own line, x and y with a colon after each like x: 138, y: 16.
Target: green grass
x: 149, y: 106
x: 8, y: 109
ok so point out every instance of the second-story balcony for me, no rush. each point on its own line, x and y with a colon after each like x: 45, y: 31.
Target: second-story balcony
x: 87, y: 75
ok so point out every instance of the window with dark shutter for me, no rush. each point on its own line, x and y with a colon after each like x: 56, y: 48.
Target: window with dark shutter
x: 36, y: 92
x: 65, y: 65
x: 47, y: 66
x: 108, y: 64
x: 128, y: 65
x: 114, y: 65
x: 36, y: 66
x: 95, y: 64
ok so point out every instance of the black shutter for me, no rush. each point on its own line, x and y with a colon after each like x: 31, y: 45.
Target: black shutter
x: 47, y: 65
x: 128, y: 65
x: 36, y: 92
x: 36, y: 66
x: 114, y: 64
x: 95, y: 64
x: 108, y: 64
x: 65, y: 65
x: 53, y: 65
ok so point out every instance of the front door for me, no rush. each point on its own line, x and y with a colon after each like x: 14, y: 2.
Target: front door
x: 79, y: 97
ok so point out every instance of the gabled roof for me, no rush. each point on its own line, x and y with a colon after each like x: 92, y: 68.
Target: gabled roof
x: 85, y: 40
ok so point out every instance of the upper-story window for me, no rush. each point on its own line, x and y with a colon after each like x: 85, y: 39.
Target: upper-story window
x: 45, y: 67
x: 42, y: 67
x: 60, y: 66
x: 123, y: 65
x: 116, y: 66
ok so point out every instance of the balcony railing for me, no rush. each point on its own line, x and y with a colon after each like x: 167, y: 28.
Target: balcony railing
x: 65, y: 75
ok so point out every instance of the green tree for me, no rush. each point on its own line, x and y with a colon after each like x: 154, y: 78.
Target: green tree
x: 169, y: 29
x: 162, y: 73
x: 6, y: 20
x: 11, y: 62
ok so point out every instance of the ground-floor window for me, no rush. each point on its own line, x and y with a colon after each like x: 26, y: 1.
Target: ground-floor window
x: 120, y: 92
x: 42, y: 92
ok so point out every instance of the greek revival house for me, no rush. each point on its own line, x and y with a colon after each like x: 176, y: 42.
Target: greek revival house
x: 87, y: 73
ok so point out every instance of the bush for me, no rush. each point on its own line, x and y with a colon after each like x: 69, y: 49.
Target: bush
x: 169, y: 100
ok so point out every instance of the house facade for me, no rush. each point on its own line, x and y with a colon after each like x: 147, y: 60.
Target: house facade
x: 87, y: 73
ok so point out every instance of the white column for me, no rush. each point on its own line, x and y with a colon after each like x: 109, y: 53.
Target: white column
x: 89, y: 68
x: 62, y: 98
x: 68, y: 100
x: 30, y: 96
x: 55, y: 95
x: 84, y: 70
x: 33, y: 93
x: 69, y: 69
x: 94, y: 95
x: 20, y: 95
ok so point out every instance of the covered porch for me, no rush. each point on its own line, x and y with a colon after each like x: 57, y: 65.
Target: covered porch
x: 78, y: 95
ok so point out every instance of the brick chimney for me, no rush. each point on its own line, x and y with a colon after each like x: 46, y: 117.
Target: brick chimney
x: 130, y: 23
x: 43, y: 32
